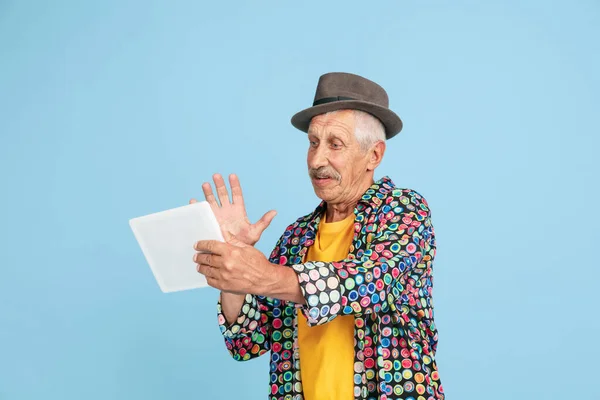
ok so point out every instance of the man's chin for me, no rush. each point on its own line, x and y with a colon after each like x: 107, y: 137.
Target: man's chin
x: 322, y: 193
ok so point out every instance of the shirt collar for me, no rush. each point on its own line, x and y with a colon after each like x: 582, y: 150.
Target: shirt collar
x: 369, y: 199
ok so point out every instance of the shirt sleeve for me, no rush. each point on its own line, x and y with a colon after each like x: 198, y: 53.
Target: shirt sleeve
x: 248, y: 336
x: 402, y: 248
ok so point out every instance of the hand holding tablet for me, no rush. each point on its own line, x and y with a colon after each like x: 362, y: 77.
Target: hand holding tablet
x: 167, y: 240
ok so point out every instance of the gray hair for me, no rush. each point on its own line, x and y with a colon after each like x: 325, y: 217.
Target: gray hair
x: 368, y: 129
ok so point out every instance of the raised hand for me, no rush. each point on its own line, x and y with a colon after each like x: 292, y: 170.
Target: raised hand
x: 231, y: 215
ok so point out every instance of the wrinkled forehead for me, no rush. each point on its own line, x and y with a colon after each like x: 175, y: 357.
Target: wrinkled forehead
x: 339, y: 123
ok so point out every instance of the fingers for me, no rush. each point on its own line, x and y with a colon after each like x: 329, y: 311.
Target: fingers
x: 208, y: 194
x: 211, y: 246
x: 265, y: 221
x: 192, y: 201
x: 221, y: 189
x: 236, y: 190
x: 222, y: 193
x: 209, y: 259
x: 209, y: 272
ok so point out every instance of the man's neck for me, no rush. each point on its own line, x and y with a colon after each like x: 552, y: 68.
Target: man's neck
x: 341, y: 211
x: 338, y: 212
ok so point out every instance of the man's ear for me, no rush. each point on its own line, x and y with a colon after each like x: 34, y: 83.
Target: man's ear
x: 375, y: 155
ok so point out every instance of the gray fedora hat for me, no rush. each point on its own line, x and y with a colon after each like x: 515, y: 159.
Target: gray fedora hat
x: 341, y: 90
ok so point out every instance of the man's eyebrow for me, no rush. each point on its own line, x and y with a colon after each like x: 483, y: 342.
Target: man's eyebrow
x: 327, y: 135
x: 334, y: 136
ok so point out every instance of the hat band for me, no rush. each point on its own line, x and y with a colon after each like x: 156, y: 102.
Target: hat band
x: 331, y: 100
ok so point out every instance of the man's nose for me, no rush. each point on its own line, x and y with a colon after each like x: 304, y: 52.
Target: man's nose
x: 318, y: 158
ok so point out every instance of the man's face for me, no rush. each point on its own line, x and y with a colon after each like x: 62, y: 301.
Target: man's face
x: 336, y: 164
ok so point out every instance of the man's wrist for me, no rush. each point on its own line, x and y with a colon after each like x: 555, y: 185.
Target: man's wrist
x: 281, y: 282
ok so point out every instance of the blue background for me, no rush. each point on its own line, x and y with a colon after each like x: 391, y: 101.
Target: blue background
x: 116, y: 109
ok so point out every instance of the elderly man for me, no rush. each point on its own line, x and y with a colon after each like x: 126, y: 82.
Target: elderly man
x: 343, y: 304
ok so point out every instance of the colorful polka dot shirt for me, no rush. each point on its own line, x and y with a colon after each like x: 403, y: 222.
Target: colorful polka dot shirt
x: 385, y: 283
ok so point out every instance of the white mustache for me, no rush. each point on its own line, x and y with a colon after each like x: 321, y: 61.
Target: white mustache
x: 324, y: 172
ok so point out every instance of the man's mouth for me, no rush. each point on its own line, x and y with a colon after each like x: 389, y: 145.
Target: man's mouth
x: 320, y: 181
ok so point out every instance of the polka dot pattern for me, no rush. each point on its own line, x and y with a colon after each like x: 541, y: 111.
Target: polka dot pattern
x: 385, y: 283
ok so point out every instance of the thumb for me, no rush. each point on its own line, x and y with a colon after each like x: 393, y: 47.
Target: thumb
x: 232, y: 239
x: 265, y: 221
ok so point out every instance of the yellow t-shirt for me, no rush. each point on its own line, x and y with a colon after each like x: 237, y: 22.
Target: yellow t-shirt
x: 327, y: 351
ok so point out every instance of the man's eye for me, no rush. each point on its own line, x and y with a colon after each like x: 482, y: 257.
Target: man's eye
x: 335, y: 145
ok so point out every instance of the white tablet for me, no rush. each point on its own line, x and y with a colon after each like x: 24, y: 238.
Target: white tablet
x: 167, y: 240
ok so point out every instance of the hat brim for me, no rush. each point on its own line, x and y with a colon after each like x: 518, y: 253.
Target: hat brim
x: 389, y: 119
